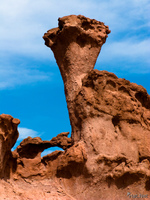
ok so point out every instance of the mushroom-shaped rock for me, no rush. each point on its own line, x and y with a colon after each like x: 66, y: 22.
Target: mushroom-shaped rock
x: 76, y: 44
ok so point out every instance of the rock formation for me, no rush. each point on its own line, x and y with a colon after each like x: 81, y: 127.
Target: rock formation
x: 76, y: 44
x: 8, y: 137
x: 108, y: 154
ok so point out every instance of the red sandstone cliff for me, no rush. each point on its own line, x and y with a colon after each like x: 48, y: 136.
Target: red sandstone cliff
x: 108, y: 154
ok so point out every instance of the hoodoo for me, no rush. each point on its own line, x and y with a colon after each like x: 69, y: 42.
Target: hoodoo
x: 76, y: 44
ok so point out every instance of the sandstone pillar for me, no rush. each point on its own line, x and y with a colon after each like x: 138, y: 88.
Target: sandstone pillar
x: 76, y: 44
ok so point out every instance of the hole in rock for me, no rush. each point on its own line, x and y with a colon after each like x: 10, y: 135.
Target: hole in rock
x: 116, y: 120
x: 81, y: 40
x: 143, y: 98
x: 147, y: 185
x: 111, y: 83
x: 50, y: 150
x: 86, y: 26
x: 127, y: 179
x: 141, y: 158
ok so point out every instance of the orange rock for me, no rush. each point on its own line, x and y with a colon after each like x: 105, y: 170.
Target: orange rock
x: 8, y: 137
x: 110, y: 116
x: 76, y: 44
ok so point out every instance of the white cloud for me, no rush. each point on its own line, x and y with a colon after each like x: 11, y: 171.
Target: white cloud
x: 50, y: 150
x: 46, y: 152
x: 131, y: 55
x: 24, y: 22
x: 129, y: 49
x: 25, y: 132
x: 11, y: 76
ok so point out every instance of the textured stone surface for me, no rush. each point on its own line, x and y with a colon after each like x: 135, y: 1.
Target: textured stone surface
x: 114, y: 119
x: 28, y: 155
x: 76, y: 44
x: 114, y: 113
x: 33, y: 190
x: 108, y: 154
x: 109, y: 116
x: 8, y: 137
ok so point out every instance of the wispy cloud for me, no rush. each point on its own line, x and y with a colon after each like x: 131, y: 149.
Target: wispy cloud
x: 130, y: 50
x: 11, y: 76
x: 50, y: 150
x: 24, y: 22
x: 46, y: 152
x: 25, y: 132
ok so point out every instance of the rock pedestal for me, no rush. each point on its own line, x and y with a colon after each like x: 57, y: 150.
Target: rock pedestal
x: 76, y: 44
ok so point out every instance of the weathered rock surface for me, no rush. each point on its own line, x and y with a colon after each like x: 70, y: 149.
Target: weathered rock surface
x: 108, y: 154
x: 28, y: 155
x: 110, y: 116
x: 114, y: 117
x: 76, y: 44
x: 26, y: 189
x: 8, y: 137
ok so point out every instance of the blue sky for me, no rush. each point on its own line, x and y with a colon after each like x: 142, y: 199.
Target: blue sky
x: 31, y: 87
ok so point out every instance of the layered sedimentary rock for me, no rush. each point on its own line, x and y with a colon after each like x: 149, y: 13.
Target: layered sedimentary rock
x: 108, y: 154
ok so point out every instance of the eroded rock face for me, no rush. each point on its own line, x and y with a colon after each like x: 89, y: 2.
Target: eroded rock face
x: 114, y: 119
x: 28, y: 155
x: 76, y: 44
x: 110, y: 116
x: 114, y: 110
x: 8, y: 137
